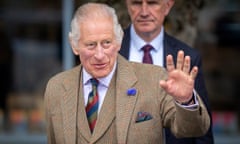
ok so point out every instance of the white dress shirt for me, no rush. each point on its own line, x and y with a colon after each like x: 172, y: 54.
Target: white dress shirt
x: 136, y: 43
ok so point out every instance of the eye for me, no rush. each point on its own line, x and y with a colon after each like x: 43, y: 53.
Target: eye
x: 91, y: 45
x: 106, y: 43
x: 153, y: 2
x: 136, y: 2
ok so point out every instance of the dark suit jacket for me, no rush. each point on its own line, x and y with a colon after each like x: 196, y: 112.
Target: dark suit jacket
x: 116, y: 123
x: 172, y: 46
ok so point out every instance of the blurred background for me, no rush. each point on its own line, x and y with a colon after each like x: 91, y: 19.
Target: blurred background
x: 34, y: 46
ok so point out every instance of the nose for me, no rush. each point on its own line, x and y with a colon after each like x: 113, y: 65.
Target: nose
x: 99, y: 53
x: 144, y: 9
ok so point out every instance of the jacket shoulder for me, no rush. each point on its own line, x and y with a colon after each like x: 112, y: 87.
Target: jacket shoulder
x: 149, y: 70
x: 62, y: 77
x: 174, y: 42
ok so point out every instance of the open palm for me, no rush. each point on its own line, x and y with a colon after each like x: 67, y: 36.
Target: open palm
x: 180, y: 81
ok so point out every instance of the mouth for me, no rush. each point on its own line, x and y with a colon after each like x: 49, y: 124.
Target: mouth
x: 100, y: 66
x: 144, y: 20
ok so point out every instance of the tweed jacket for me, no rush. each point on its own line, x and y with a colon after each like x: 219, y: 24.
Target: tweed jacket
x: 172, y: 46
x: 118, y: 119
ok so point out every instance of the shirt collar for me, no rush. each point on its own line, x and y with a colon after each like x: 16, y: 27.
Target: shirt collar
x: 105, y: 81
x: 138, y: 42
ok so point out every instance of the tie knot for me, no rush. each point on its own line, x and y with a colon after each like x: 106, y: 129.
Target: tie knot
x: 147, y: 58
x: 94, y: 81
x: 147, y: 48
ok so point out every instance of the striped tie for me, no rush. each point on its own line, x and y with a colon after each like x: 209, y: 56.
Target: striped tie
x: 92, y: 105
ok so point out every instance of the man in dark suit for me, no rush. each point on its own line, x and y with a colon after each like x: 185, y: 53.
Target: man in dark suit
x: 147, y: 18
x: 108, y: 100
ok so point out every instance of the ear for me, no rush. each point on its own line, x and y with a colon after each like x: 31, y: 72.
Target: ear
x: 73, y: 44
x: 169, y: 4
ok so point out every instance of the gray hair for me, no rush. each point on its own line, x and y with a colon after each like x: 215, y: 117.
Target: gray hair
x: 94, y: 10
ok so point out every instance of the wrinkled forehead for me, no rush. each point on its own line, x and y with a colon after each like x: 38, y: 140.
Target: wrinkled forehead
x: 96, y: 27
x: 97, y: 22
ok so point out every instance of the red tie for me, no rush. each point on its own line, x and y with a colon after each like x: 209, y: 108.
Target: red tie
x: 147, y: 58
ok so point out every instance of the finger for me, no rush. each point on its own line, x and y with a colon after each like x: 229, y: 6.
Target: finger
x: 163, y: 84
x: 180, y: 58
x: 194, y: 72
x: 186, y: 65
x: 170, y: 63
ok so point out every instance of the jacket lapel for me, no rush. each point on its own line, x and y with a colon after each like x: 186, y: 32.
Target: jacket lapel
x: 169, y: 48
x: 107, y: 113
x: 124, y: 103
x: 124, y: 51
x: 70, y: 108
x: 82, y: 121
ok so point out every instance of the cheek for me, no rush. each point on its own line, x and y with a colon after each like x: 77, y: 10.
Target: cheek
x: 133, y: 13
x: 111, y: 54
x: 163, y: 10
x: 159, y: 14
x: 85, y: 55
x: 115, y: 50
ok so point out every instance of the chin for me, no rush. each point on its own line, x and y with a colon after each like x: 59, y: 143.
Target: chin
x: 145, y: 29
x: 100, y: 74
